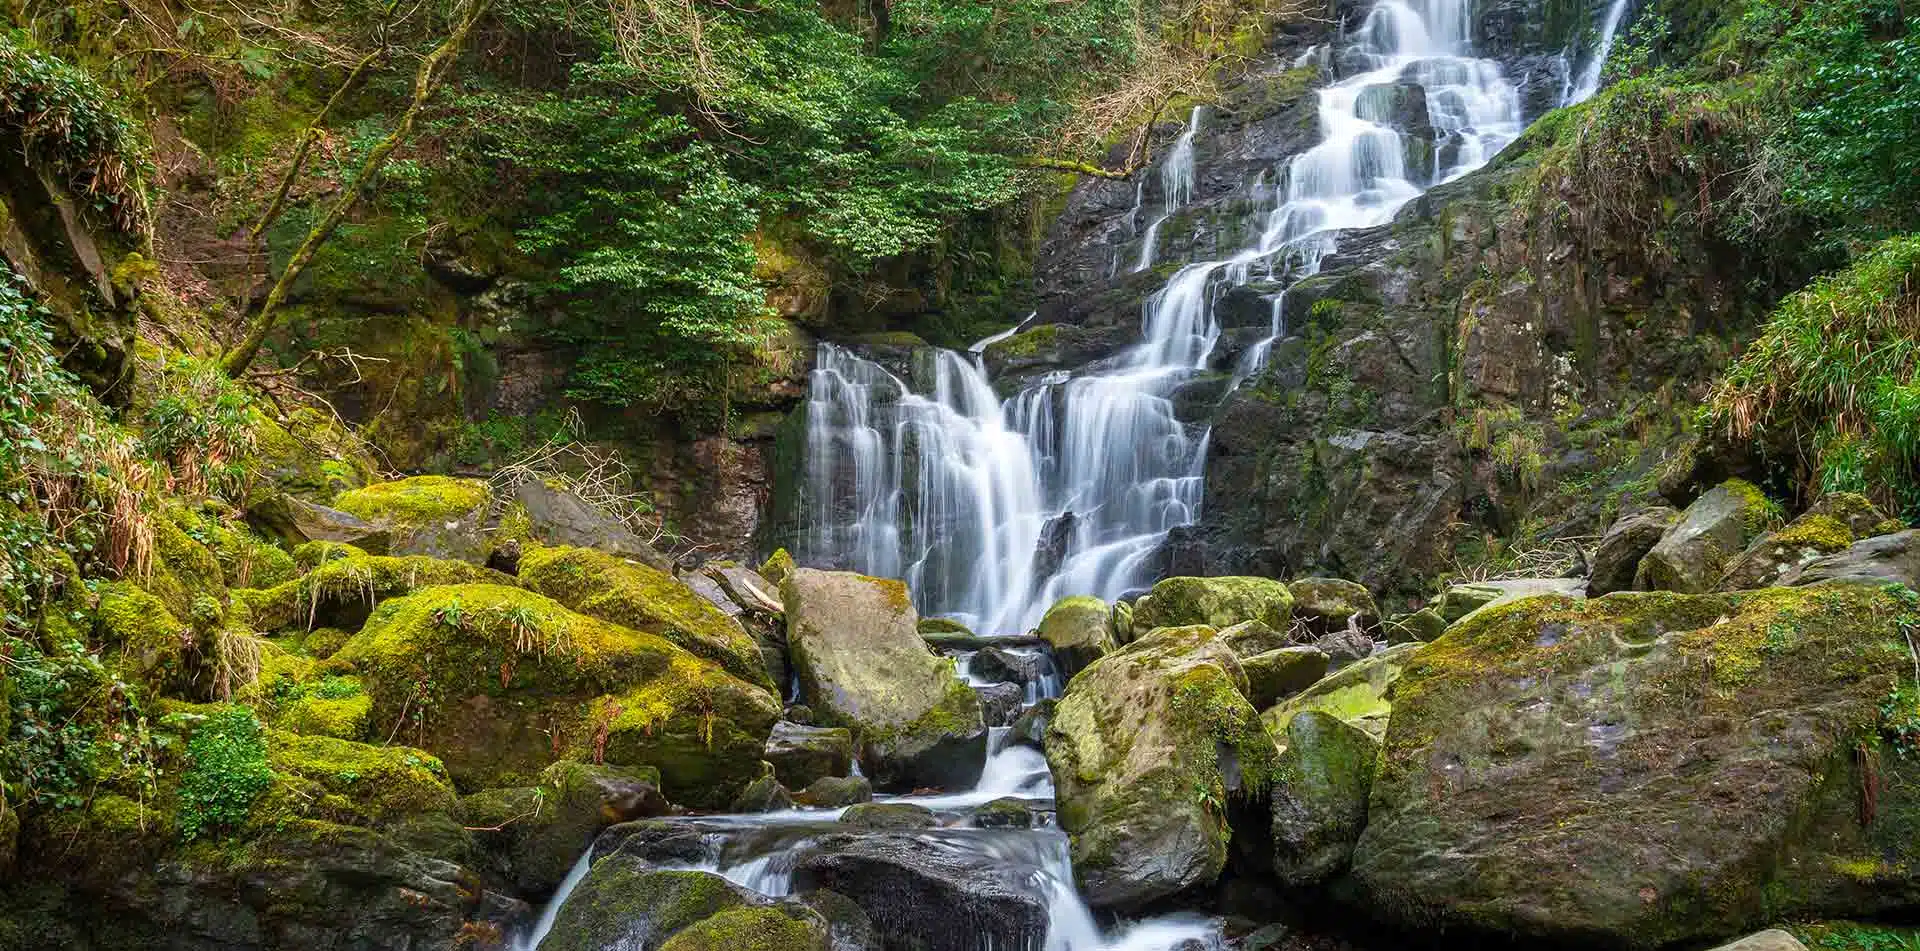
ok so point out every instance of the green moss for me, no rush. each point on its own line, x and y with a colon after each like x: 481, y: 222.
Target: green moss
x: 420, y: 500
x: 313, y: 555
x: 1216, y: 602
x: 621, y: 891
x: 780, y: 927
x: 645, y: 599
x: 1822, y: 533
x: 776, y: 567
x: 242, y: 558
x: 1027, y: 344
x: 343, y: 590
x: 1854, y: 936
x: 150, y: 645
x: 351, y: 782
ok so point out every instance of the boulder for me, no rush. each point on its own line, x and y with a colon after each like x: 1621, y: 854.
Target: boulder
x: 1774, y: 555
x: 1000, y: 703
x: 1320, y: 797
x: 922, y: 893
x: 888, y: 816
x: 298, y: 522
x: 1147, y: 748
x: 1422, y: 626
x: 776, y: 567
x: 1647, y: 770
x: 1461, y: 600
x: 802, y: 754
x: 998, y: 665
x: 515, y: 677
x: 436, y: 516
x: 1326, y: 605
x: 556, y: 515
x: 1691, y: 557
x: 835, y: 791
x: 1772, y: 939
x: 1030, y: 729
x: 1080, y: 631
x: 537, y: 832
x: 1625, y: 542
x: 342, y: 591
x: 1216, y: 602
x: 1860, y: 516
x: 762, y: 795
x: 1248, y: 638
x: 623, y: 902
x: 1881, y: 559
x: 791, y: 925
x: 1282, y: 673
x: 861, y: 664
x: 1005, y: 813
x: 1359, y: 694
x: 646, y: 599
x: 1344, y: 647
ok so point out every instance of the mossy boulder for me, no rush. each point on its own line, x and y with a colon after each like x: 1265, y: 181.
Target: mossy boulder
x: 1331, y: 604
x: 1320, y: 797
x: 310, y: 455
x: 1692, y: 556
x: 1774, y: 555
x: 1216, y: 602
x: 1148, y: 747
x: 1422, y: 626
x: 762, y: 795
x: 861, y: 664
x: 300, y: 523
x: 537, y: 832
x: 332, y: 706
x: 1649, y: 769
x: 891, y: 816
x: 783, y: 926
x: 1080, y: 632
x: 776, y: 567
x: 1281, y: 673
x: 553, y: 514
x: 1249, y: 638
x: 634, y: 595
x: 342, y: 592
x: 1359, y: 694
x: 624, y: 903
x: 1882, y: 559
x: 834, y: 791
x: 922, y: 897
x: 147, y: 643
x: 497, y: 680
x: 321, y: 777
x: 1622, y: 546
x: 437, y: 516
x: 802, y: 754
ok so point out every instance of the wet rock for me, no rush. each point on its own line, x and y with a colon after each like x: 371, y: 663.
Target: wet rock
x: 1056, y: 537
x: 1542, y: 778
x: 1030, y: 729
x: 763, y: 795
x: 780, y: 926
x: 539, y: 831
x: 1141, y: 744
x: 799, y: 713
x: 1281, y: 673
x: 557, y: 516
x: 802, y: 754
x: 1319, y: 797
x: 848, y: 928
x: 658, y: 842
x: 1692, y: 556
x: 1880, y: 559
x: 1079, y: 629
x: 888, y: 816
x: 1007, y: 813
x: 1248, y: 638
x: 1359, y: 693
x: 1325, y: 605
x: 1000, y: 703
x: 1216, y: 602
x: 835, y: 791
x: 1005, y: 666
x: 624, y: 903
x: 1624, y: 544
x: 862, y: 663
x: 923, y: 893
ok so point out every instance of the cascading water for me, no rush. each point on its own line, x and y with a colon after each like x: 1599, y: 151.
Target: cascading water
x: 1597, y: 60
x: 953, y: 490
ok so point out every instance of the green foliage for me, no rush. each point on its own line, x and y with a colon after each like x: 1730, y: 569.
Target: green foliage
x: 64, y: 120
x: 74, y: 728
x: 1831, y: 383
x: 1855, y: 936
x: 226, y: 771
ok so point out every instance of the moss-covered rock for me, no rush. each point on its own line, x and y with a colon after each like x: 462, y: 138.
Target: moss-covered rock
x: 862, y: 664
x: 1079, y: 631
x: 625, y: 903
x: 785, y: 926
x: 1148, y: 747
x: 1281, y: 673
x: 320, y: 777
x: 1359, y: 694
x: 1250, y: 638
x: 437, y: 516
x: 834, y: 791
x: 1422, y: 625
x: 1330, y: 604
x: 310, y: 454
x: 1625, y: 543
x: 888, y: 816
x: 1217, y: 602
x: 498, y: 680
x: 537, y: 832
x: 1643, y: 770
x: 776, y: 567
x: 1774, y: 555
x: 1320, y: 797
x: 1713, y: 531
x: 328, y: 706
x: 149, y: 644
x: 765, y: 794
x: 634, y: 595
x: 802, y: 754
x: 342, y: 592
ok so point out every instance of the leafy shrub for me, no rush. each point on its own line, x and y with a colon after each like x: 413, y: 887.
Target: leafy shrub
x: 226, y: 771
x: 63, y: 119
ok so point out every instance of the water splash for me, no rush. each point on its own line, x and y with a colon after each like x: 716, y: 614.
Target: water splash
x: 1596, y: 63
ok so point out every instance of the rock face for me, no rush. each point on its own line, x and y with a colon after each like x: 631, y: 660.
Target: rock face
x: 1215, y: 602
x: 921, y: 893
x: 1079, y: 631
x: 1646, y: 769
x: 1359, y: 694
x: 1147, y: 748
x: 1880, y: 559
x: 516, y: 676
x: 1320, y: 797
x: 1695, y: 552
x: 1624, y: 544
x: 862, y: 664
x: 556, y: 516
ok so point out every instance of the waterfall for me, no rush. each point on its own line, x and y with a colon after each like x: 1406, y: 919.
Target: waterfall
x: 953, y: 490
x: 1590, y: 73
